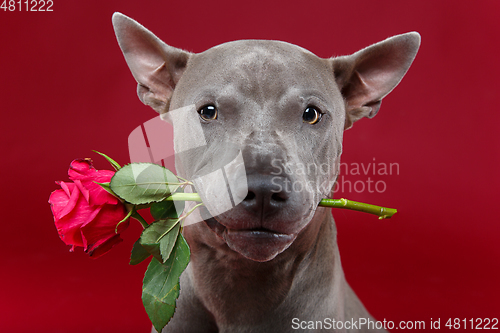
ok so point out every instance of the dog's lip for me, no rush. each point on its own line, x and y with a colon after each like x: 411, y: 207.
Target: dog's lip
x: 257, y: 244
x: 258, y: 233
x: 262, y: 233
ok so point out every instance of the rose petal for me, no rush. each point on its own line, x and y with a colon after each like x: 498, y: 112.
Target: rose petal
x: 66, y: 187
x: 83, y: 171
x: 69, y: 204
x: 85, y: 214
x: 98, y: 195
x: 69, y: 225
x: 102, y: 176
x: 82, y: 189
x: 58, y: 201
x: 102, y: 227
x: 97, y: 251
x: 80, y: 168
x: 90, y: 218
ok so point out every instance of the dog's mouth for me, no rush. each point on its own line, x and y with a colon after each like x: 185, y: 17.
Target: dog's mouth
x: 257, y: 244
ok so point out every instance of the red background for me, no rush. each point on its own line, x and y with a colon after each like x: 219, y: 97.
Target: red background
x: 65, y: 90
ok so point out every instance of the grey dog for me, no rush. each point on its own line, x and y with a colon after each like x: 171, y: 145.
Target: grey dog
x: 270, y: 263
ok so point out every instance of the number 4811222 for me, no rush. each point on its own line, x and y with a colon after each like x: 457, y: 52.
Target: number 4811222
x: 27, y: 5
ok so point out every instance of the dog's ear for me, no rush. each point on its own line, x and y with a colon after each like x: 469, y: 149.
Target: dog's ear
x: 368, y: 75
x: 156, y: 66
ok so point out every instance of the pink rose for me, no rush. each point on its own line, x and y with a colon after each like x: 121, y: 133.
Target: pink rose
x: 85, y: 214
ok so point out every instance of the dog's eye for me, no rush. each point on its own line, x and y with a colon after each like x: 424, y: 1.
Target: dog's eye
x: 311, y: 115
x: 208, y: 112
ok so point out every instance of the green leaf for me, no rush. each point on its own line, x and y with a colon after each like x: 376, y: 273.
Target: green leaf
x: 139, y: 253
x: 151, y: 242
x: 141, y: 183
x: 167, y: 242
x: 106, y: 187
x: 161, y: 284
x: 113, y: 163
x: 166, y: 209
x: 159, y: 312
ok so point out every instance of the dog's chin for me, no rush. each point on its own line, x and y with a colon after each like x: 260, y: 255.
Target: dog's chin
x: 255, y: 244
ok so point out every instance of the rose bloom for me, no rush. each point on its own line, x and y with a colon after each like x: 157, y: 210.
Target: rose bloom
x: 85, y: 214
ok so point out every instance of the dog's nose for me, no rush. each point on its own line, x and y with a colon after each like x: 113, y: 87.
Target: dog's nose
x: 266, y: 195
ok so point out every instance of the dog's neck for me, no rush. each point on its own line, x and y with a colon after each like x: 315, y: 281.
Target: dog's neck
x: 238, y: 290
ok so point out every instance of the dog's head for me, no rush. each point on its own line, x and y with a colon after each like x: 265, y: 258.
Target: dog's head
x: 270, y: 118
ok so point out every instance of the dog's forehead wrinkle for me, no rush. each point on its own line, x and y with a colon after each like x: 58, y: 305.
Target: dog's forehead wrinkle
x: 252, y: 59
x: 263, y: 74
x: 242, y: 47
x: 264, y: 79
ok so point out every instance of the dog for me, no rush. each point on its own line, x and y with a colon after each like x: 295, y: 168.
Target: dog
x: 271, y: 262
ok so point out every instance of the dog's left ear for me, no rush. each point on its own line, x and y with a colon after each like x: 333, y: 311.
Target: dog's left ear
x: 368, y: 75
x: 156, y: 66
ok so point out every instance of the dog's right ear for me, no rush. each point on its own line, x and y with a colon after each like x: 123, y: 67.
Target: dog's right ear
x: 156, y: 66
x: 367, y: 76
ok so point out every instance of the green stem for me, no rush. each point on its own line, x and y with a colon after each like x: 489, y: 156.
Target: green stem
x: 184, y: 197
x: 129, y: 214
x: 178, y: 220
x: 139, y: 218
x: 163, y: 183
x: 190, y: 211
x: 185, y: 180
x: 381, y: 212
